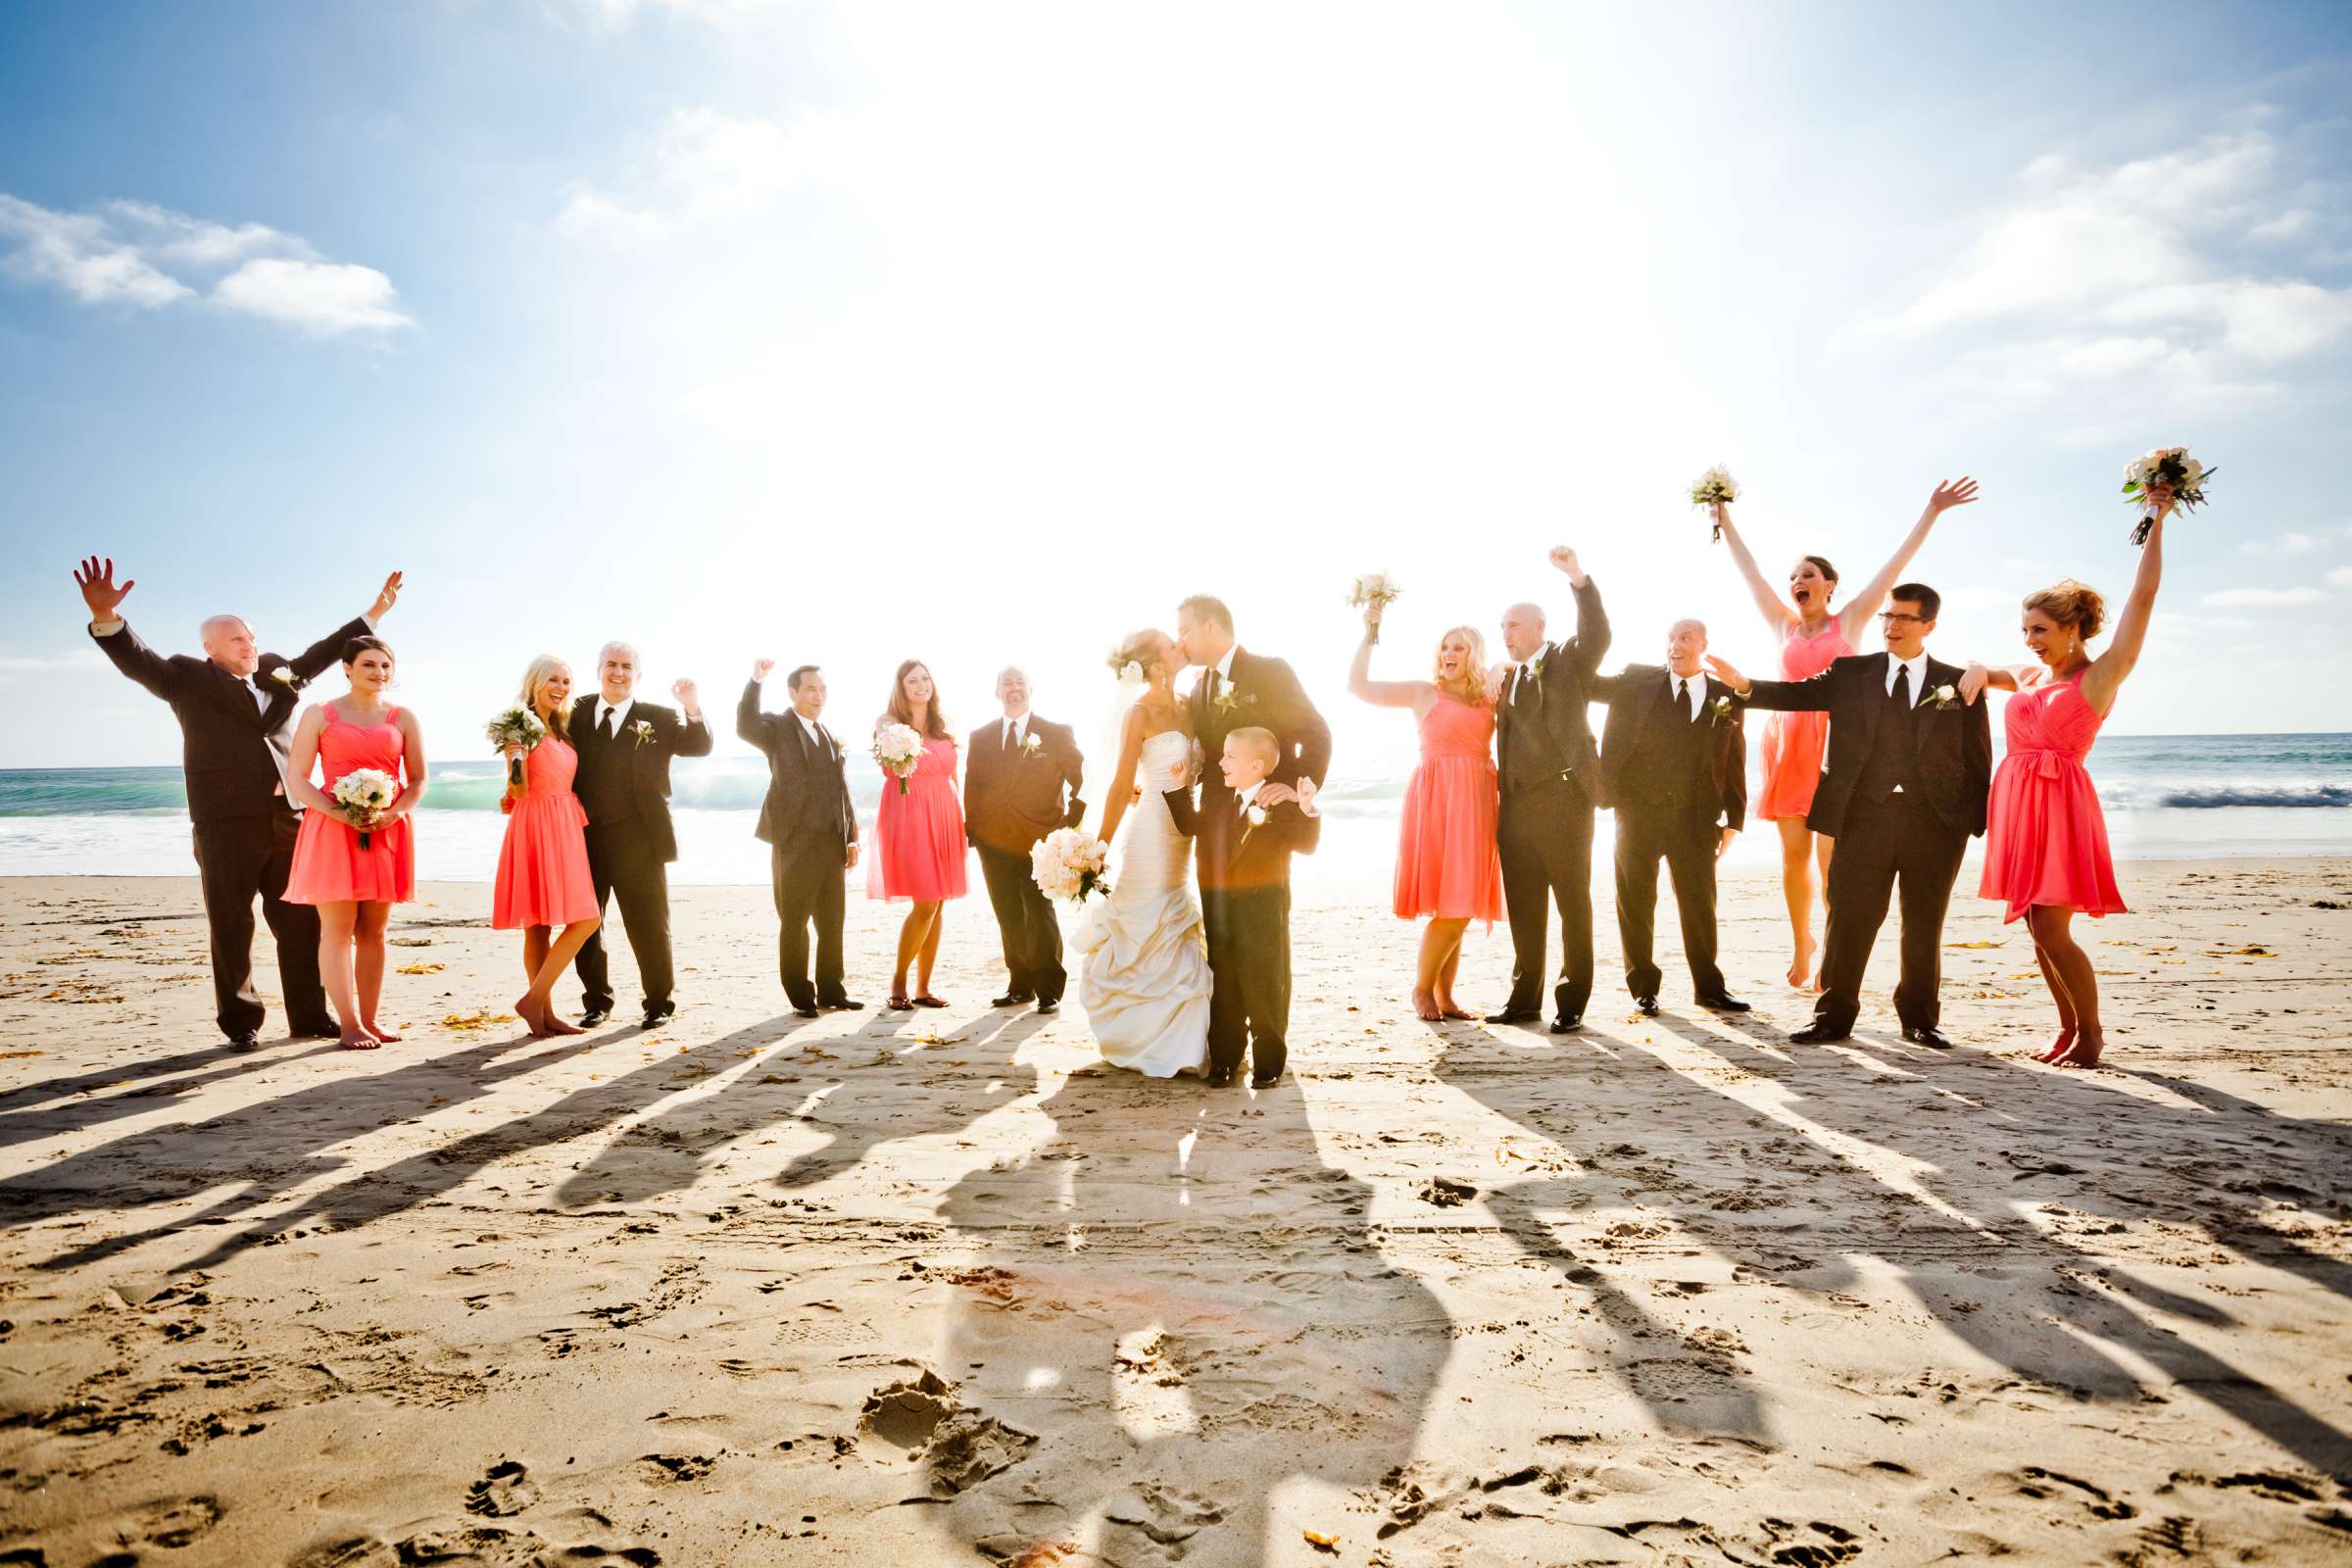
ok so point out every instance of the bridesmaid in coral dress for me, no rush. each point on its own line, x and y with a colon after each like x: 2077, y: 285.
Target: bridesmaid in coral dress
x: 919, y: 838
x: 544, y: 887
x: 2045, y: 840
x: 354, y: 878
x: 1812, y: 638
x: 1447, y: 863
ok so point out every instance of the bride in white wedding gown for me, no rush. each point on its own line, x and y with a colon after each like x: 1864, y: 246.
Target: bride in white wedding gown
x: 1143, y: 961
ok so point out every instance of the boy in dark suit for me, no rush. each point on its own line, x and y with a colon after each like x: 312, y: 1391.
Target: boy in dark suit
x: 1244, y: 862
x: 811, y: 831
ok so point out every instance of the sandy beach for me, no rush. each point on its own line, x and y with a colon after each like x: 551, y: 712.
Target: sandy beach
x: 940, y: 1289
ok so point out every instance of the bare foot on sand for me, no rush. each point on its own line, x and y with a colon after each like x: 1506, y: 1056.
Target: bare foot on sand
x: 2084, y: 1053
x: 381, y: 1033
x: 2056, y: 1048
x: 1425, y: 1008
x: 1801, y: 969
x: 533, y: 1017
x: 359, y: 1039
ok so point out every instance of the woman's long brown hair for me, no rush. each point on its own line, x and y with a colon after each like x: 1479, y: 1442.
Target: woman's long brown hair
x: 901, y: 711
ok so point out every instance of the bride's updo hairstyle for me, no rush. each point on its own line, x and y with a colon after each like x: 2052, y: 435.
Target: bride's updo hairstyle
x: 1140, y: 649
x: 2071, y: 603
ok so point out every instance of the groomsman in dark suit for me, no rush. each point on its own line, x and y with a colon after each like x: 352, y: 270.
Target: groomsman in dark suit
x: 1909, y: 769
x: 1249, y: 839
x: 811, y: 831
x: 1020, y: 782
x: 1550, y: 777
x: 625, y: 747
x: 1674, y: 766
x: 235, y: 708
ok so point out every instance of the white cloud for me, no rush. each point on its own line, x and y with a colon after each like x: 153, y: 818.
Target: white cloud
x: 2265, y: 598
x: 700, y: 166
x: 2289, y: 543
x: 137, y: 253
x: 2341, y: 578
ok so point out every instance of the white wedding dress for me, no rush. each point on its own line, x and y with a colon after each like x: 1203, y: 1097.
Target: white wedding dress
x: 1143, y: 961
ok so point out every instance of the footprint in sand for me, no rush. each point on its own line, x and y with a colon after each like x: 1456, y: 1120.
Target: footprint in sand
x: 506, y: 1490
x: 180, y: 1523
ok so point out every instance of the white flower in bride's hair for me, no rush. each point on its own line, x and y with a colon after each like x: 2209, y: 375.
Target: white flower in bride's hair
x: 1131, y: 673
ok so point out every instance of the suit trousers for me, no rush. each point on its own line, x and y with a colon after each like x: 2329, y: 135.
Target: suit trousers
x: 1025, y: 923
x: 1546, y: 843
x: 1685, y: 842
x: 810, y: 878
x: 1895, y: 843
x: 624, y: 866
x: 237, y: 859
x: 1250, y: 974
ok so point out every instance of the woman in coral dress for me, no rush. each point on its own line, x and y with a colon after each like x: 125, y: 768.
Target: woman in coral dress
x: 919, y: 841
x: 1448, y: 867
x: 544, y: 888
x: 354, y: 873
x: 1812, y: 638
x: 2046, y: 839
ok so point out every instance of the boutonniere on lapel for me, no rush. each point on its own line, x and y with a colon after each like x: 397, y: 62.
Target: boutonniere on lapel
x: 1535, y: 672
x: 1228, y: 700
x: 1942, y: 697
x: 1031, y: 745
x: 642, y: 729
x: 1256, y: 816
x: 1719, y: 711
x: 283, y: 675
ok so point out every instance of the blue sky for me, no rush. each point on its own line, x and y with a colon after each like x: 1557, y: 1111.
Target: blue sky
x: 983, y: 333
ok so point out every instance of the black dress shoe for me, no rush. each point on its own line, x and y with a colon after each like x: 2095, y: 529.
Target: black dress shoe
x: 1646, y: 1007
x: 1050, y: 1005
x: 1219, y: 1078
x: 248, y: 1040
x: 592, y: 1016
x: 841, y: 1004
x: 1515, y: 1015
x: 1818, y: 1033
x: 1927, y: 1034
x: 656, y: 1017
x: 804, y: 1012
x: 1567, y: 1023
x: 316, y: 1031
x: 1265, y: 1080
x: 1724, y: 1004
x: 1014, y: 999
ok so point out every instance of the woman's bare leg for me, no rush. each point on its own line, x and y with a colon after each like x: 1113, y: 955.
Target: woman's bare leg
x: 927, y: 957
x: 367, y: 964
x: 2053, y: 934
x: 534, y: 958
x: 555, y: 958
x: 336, y: 924
x: 1796, y: 890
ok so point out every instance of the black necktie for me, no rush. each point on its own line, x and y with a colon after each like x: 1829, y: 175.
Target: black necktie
x: 1682, y: 692
x: 611, y: 725
x: 1519, y: 680
x: 1009, y: 728
x: 1901, y: 695
x: 1212, y: 685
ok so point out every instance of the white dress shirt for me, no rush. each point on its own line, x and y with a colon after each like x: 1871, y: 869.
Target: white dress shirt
x: 1918, y: 666
x: 817, y: 736
x: 1696, y: 697
x: 619, y: 713
x: 1012, y: 731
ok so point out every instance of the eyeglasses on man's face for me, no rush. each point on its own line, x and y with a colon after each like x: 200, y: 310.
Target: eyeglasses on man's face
x: 1893, y: 618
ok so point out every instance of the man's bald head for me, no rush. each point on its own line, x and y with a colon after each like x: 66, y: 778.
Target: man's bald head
x: 229, y: 642
x: 1522, y: 632
x: 1686, y: 640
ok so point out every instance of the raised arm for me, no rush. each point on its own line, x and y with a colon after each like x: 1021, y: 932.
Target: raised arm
x: 95, y: 577
x: 1854, y: 619
x: 1776, y: 613
x: 1416, y: 695
x: 1591, y: 639
x: 1131, y: 749
x: 750, y: 723
x: 2105, y: 676
x: 694, y: 736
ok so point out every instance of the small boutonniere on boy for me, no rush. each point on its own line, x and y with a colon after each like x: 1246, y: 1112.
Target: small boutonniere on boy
x: 642, y: 729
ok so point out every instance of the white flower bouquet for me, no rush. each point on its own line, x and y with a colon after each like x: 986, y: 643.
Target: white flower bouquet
x: 365, y: 794
x: 2166, y: 470
x: 516, y: 726
x: 1377, y: 590
x: 1716, y: 484
x: 898, y: 748
x: 1067, y: 864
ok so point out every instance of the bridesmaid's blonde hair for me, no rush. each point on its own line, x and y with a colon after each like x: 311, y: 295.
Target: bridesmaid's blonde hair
x: 1471, y: 687
x: 2071, y: 603
x: 544, y: 665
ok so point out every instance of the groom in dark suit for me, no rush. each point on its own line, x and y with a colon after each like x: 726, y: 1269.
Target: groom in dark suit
x: 1020, y: 782
x: 1550, y: 777
x: 625, y: 747
x: 811, y: 830
x: 1909, y: 769
x: 235, y: 708
x: 1674, y: 766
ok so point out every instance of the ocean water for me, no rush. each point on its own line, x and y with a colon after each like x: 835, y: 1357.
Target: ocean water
x: 2167, y: 797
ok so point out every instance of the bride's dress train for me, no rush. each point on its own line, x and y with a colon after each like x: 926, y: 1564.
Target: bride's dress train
x: 1143, y: 959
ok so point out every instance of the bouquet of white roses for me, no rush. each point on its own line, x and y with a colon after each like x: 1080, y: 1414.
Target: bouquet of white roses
x: 516, y: 726
x: 2167, y: 469
x: 365, y: 792
x: 898, y: 748
x: 1716, y: 484
x: 1376, y: 589
x: 1067, y: 864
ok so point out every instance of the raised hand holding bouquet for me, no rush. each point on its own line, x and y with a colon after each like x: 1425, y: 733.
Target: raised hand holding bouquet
x: 1067, y: 864
x: 1713, y: 488
x: 2166, y: 472
x: 365, y: 794
x: 1374, y: 590
x: 516, y: 726
x: 898, y: 748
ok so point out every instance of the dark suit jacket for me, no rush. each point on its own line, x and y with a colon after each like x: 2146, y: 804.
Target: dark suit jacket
x: 1954, y: 744
x: 1235, y: 856
x: 1263, y: 693
x: 648, y: 778
x: 1564, y: 730
x: 1010, y: 803
x: 1641, y: 695
x: 807, y: 792
x: 224, y: 738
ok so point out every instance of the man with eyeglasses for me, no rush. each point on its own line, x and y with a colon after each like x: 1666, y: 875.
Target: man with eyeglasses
x: 1909, y: 769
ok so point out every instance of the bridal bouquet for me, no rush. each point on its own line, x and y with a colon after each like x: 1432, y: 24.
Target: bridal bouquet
x: 365, y: 792
x: 898, y: 748
x: 1376, y: 589
x: 516, y: 726
x: 2167, y: 468
x: 1067, y: 864
x: 1716, y: 484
